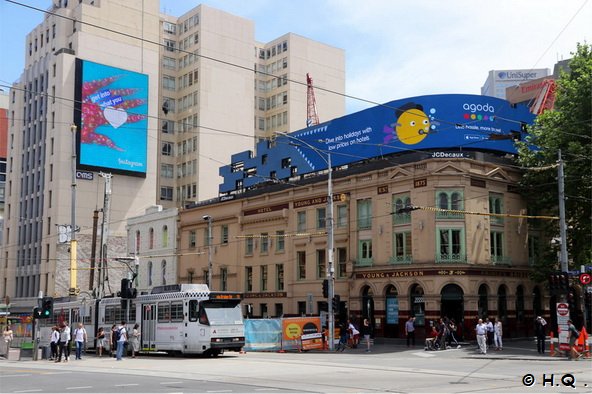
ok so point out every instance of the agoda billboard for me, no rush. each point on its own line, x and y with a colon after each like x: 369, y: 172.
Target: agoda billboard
x: 453, y: 122
x: 111, y: 111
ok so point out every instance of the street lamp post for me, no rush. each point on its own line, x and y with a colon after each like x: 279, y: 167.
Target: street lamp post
x: 330, y: 236
x: 73, y: 243
x: 209, y: 220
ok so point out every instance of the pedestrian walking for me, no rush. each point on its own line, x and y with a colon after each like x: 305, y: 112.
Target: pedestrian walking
x: 367, y: 333
x: 8, y: 336
x: 121, y: 340
x: 54, y: 342
x: 113, y: 340
x: 80, y: 338
x: 540, y: 331
x: 353, y: 334
x: 452, y: 333
x: 497, y: 334
x: 343, y: 335
x: 64, y: 343
x: 101, y: 341
x: 134, y: 340
x: 574, y: 334
x: 490, y: 333
x: 410, y: 331
x: 481, y: 331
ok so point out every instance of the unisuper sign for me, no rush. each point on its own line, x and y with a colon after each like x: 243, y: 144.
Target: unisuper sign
x: 443, y: 122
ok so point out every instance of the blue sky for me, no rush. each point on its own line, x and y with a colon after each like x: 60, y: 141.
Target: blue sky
x: 394, y: 49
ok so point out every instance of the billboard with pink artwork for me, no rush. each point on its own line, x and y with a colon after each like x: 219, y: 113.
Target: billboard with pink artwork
x: 111, y: 112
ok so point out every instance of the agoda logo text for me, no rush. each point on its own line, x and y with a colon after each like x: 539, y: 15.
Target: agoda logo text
x: 474, y: 108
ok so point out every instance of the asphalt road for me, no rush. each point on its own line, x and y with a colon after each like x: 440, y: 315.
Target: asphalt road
x: 387, y: 368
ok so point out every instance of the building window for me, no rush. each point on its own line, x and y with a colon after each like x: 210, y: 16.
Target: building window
x: 166, y: 193
x: 167, y: 171
x: 249, y: 245
x: 496, y: 205
x: 280, y: 242
x: 169, y: 28
x: 321, y: 218
x: 192, y: 238
x: 279, y: 277
x: 223, y: 279
x: 224, y: 234
x: 150, y: 273
x: 168, y: 127
x: 341, y: 262
x: 167, y: 149
x: 451, y: 200
x: 496, y: 242
x: 264, y: 243
x: 248, y: 278
x: 168, y: 82
x: 279, y: 310
x: 365, y: 214
x: 321, y: 264
x: 450, y: 246
x: 263, y: 278
x: 365, y: 252
x: 341, y: 215
x: 151, y: 238
x: 401, y: 247
x: 401, y: 201
x: 301, y: 221
x: 264, y: 313
x: 137, y: 250
x: 533, y: 249
x: 169, y: 45
x: 165, y: 236
x: 301, y: 265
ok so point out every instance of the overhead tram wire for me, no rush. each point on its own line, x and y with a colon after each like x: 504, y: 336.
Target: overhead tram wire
x: 212, y: 58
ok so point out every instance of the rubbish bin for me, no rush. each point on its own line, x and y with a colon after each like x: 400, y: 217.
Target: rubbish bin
x: 46, y: 352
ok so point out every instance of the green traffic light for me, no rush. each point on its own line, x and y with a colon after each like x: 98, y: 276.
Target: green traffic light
x: 46, y: 313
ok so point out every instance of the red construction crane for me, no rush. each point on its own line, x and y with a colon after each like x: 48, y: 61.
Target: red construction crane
x: 312, y: 118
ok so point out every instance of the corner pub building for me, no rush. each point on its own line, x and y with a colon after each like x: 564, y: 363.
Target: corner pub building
x: 269, y: 239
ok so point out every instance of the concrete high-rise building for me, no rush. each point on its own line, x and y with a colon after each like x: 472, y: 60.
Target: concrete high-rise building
x: 63, y: 83
x: 221, y: 91
x: 160, y: 107
x: 498, y: 80
x: 3, y: 153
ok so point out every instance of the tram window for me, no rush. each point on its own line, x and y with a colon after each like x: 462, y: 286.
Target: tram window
x: 164, y: 312
x: 203, y: 317
x: 193, y: 310
x: 177, y: 311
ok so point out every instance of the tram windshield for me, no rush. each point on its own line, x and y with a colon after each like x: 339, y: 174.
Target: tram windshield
x: 222, y: 313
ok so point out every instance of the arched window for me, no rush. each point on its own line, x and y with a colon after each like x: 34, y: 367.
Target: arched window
x: 520, y: 303
x: 163, y: 265
x: 165, y: 236
x: 149, y: 273
x: 367, y: 303
x: 151, y: 238
x: 417, y: 302
x: 482, y: 303
x: 502, y: 304
x: 456, y: 201
x: 137, y: 241
x: 443, y: 201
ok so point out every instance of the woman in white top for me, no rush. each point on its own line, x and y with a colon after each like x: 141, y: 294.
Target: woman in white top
x: 497, y: 334
x: 134, y: 340
x: 80, y: 338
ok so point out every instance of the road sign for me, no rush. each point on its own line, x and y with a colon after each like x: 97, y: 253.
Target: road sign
x: 585, y: 279
x: 562, y: 309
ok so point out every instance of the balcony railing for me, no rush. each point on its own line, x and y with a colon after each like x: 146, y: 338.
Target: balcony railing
x: 404, y: 259
x: 363, y: 263
x: 449, y: 215
x: 501, y: 260
x: 454, y: 258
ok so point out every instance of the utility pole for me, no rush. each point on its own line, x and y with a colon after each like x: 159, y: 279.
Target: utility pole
x: 73, y: 243
x: 105, y: 231
x: 562, y: 225
x: 93, y: 251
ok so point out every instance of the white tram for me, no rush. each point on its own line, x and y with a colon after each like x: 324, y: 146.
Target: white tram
x: 185, y: 318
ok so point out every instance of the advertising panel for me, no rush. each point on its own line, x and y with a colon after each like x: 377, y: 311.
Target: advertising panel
x: 112, y: 114
x: 449, y: 122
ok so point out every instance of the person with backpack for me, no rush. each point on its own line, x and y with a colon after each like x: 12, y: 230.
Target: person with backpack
x: 121, y: 336
x: 80, y: 339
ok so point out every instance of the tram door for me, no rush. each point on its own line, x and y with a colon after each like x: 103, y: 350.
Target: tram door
x: 148, y: 327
